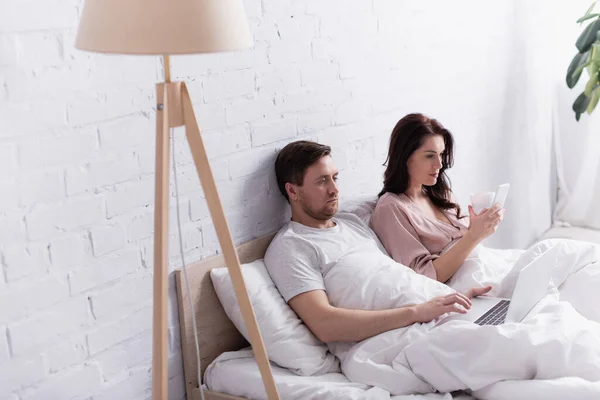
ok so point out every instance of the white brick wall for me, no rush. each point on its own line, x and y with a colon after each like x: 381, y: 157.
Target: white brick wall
x: 43, y: 187
x: 8, y: 160
x: 4, y: 353
x: 12, y: 228
x: 50, y: 150
x: 124, y: 133
x: 124, y: 296
x: 106, y: 239
x: 271, y: 131
x: 229, y: 85
x: 67, y: 252
x: 77, y: 157
x: 105, y: 269
x: 22, y: 372
x: 30, y: 297
x: 125, y: 355
x: 10, y: 196
x: 67, y: 354
x: 63, y: 318
x: 22, y: 260
x: 101, y: 173
x: 120, y: 330
x: 72, y: 384
x: 46, y: 220
x: 129, y: 196
x: 129, y: 387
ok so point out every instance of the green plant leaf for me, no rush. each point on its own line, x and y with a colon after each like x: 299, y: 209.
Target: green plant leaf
x: 580, y: 69
x: 589, y: 10
x: 593, y: 100
x: 588, y: 36
x: 594, y: 60
x: 580, y: 105
x: 576, y: 67
x: 586, y: 17
x: 589, y: 87
x: 590, y: 66
x: 595, y: 53
x: 593, y: 68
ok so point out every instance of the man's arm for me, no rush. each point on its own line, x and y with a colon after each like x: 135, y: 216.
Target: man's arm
x: 332, y: 324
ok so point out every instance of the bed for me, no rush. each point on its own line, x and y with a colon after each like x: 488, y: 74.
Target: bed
x: 573, y: 232
x: 220, y: 340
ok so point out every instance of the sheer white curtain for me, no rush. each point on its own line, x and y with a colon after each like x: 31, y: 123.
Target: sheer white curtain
x: 577, y: 144
x: 520, y: 151
x: 578, y: 164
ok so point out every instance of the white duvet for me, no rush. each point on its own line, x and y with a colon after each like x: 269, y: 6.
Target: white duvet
x: 553, y: 354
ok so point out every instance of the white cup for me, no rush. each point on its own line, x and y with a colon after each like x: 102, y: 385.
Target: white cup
x: 482, y: 200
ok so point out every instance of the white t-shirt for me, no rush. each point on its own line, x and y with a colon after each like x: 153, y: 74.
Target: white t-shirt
x: 300, y: 256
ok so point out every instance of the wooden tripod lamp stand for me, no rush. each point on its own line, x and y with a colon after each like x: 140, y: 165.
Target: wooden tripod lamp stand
x: 166, y: 27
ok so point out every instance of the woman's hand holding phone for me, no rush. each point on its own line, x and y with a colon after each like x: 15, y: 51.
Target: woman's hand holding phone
x: 485, y: 223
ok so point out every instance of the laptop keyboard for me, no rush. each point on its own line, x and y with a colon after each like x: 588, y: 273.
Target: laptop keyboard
x: 495, y: 315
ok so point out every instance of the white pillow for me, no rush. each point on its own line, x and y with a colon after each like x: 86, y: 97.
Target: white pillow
x: 289, y: 343
x: 361, y: 206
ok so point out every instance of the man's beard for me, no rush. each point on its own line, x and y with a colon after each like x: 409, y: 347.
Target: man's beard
x: 320, y: 215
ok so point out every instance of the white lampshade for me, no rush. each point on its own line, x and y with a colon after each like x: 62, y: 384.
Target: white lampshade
x: 163, y: 27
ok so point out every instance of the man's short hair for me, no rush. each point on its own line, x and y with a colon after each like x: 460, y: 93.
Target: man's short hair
x: 293, y: 161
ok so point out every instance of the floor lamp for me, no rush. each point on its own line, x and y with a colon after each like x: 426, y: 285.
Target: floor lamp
x: 167, y: 27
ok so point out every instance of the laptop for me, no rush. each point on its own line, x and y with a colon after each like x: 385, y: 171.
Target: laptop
x: 531, y: 287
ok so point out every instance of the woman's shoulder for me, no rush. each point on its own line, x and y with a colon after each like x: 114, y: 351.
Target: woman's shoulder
x: 393, y: 200
x: 391, y: 203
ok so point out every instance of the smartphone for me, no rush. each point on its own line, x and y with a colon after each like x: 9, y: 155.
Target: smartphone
x: 501, y: 194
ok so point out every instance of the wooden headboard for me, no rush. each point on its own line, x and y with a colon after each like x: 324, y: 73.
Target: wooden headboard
x: 216, y: 333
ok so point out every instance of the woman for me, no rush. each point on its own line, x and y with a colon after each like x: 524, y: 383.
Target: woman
x: 416, y: 217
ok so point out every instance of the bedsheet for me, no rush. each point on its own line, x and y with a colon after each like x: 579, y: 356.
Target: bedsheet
x: 555, y: 350
x: 237, y: 373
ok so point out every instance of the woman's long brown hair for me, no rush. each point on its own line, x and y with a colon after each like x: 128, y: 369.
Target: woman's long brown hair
x: 408, y: 135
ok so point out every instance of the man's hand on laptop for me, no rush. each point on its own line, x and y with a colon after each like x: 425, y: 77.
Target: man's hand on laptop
x: 455, y: 302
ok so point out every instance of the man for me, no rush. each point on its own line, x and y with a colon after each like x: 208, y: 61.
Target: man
x: 305, y: 249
